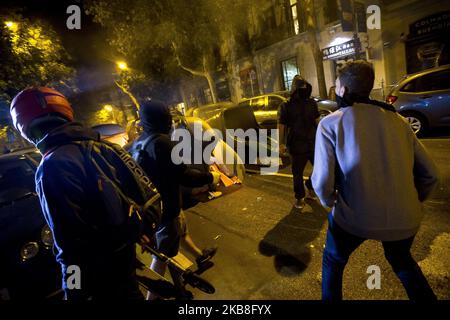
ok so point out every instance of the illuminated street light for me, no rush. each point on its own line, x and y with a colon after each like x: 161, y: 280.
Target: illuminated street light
x: 122, y: 65
x: 108, y: 107
x: 11, y: 25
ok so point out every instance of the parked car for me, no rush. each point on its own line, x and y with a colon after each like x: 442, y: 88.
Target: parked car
x: 113, y: 133
x: 209, y: 110
x: 423, y: 98
x: 265, y: 107
x: 28, y: 269
x: 235, y: 117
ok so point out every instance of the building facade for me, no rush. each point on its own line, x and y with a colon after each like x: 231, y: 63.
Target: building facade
x: 402, y: 37
x: 409, y: 32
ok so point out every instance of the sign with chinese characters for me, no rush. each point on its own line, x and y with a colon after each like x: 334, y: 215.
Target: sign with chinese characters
x: 339, y: 50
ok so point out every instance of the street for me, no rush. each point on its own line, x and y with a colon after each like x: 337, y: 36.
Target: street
x: 269, y: 251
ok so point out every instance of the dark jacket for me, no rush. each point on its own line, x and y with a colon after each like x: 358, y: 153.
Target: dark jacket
x: 167, y: 176
x: 76, y: 216
x: 299, y: 115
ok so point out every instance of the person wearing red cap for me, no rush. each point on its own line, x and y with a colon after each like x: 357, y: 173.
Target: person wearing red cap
x: 82, y: 216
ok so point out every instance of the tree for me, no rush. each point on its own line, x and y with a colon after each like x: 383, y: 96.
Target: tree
x: 312, y: 30
x: 31, y: 54
x: 160, y: 37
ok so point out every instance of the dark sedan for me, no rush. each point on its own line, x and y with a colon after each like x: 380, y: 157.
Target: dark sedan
x: 28, y: 269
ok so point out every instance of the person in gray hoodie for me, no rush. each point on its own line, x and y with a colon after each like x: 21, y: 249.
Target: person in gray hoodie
x: 374, y: 173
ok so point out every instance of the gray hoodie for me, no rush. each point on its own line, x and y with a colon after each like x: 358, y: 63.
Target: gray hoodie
x: 380, y: 170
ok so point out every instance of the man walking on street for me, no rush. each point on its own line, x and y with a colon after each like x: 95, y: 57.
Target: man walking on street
x: 299, y: 116
x: 374, y: 173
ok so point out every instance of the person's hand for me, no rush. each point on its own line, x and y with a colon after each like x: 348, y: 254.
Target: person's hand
x: 216, y: 177
x: 146, y: 241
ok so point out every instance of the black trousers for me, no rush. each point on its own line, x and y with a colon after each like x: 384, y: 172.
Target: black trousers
x: 298, y: 163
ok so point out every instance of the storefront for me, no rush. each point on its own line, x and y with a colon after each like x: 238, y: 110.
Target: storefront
x: 342, y: 50
x: 428, y: 43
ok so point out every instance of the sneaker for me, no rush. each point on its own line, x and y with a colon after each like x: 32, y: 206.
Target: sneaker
x: 299, y: 204
x: 207, y: 254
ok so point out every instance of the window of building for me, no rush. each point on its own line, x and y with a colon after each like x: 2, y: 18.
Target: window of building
x: 294, y: 16
x: 330, y: 11
x: 290, y: 70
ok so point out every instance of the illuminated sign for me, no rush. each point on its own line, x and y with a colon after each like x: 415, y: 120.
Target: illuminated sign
x: 339, y: 50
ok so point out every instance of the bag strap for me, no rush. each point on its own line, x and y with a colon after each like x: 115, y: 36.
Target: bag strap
x: 136, y: 170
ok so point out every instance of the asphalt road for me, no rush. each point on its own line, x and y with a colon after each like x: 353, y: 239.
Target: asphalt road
x: 269, y: 251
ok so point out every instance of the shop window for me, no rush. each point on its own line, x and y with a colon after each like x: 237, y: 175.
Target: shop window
x: 290, y: 70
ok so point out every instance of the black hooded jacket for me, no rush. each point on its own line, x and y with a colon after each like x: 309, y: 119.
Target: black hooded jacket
x: 167, y: 176
x: 299, y: 115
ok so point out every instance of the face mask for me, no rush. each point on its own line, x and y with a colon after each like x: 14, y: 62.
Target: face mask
x: 341, y: 102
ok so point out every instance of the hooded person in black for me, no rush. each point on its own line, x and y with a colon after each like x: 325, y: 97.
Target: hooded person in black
x: 168, y: 178
x: 299, y: 117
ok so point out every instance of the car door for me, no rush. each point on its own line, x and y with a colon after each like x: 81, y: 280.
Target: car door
x: 434, y: 89
x: 271, y: 112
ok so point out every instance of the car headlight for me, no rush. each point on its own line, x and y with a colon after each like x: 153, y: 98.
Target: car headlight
x: 47, y: 236
x: 29, y: 250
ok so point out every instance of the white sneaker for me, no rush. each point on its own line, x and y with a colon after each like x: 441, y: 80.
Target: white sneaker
x: 299, y: 204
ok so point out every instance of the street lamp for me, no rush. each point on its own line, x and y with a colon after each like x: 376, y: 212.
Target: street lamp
x: 122, y: 65
x: 108, y: 107
x: 11, y: 25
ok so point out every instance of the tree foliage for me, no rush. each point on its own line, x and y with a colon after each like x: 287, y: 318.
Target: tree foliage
x: 163, y: 37
x: 31, y: 54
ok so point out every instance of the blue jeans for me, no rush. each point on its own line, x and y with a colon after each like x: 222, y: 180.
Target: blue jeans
x: 341, y: 244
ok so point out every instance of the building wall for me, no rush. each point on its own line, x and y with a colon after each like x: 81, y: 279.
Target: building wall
x: 396, y: 18
x: 268, y: 60
x: 385, y: 48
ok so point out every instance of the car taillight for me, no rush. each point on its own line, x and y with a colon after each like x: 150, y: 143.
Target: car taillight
x: 391, y: 99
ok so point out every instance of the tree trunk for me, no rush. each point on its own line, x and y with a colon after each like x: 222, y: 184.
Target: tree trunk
x: 212, y: 86
x: 318, y: 61
x: 132, y: 97
x: 311, y: 27
x: 205, y: 73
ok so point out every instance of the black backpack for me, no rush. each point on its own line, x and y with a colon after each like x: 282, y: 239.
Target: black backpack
x: 138, y: 152
x: 132, y: 204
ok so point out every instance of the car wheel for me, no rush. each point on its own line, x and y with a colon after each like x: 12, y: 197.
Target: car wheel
x: 417, y: 123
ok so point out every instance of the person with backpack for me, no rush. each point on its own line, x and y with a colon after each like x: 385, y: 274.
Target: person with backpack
x: 153, y: 151
x: 374, y: 173
x: 91, y: 196
x: 299, y: 116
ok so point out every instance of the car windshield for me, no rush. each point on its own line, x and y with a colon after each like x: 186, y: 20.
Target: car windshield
x: 16, y: 179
